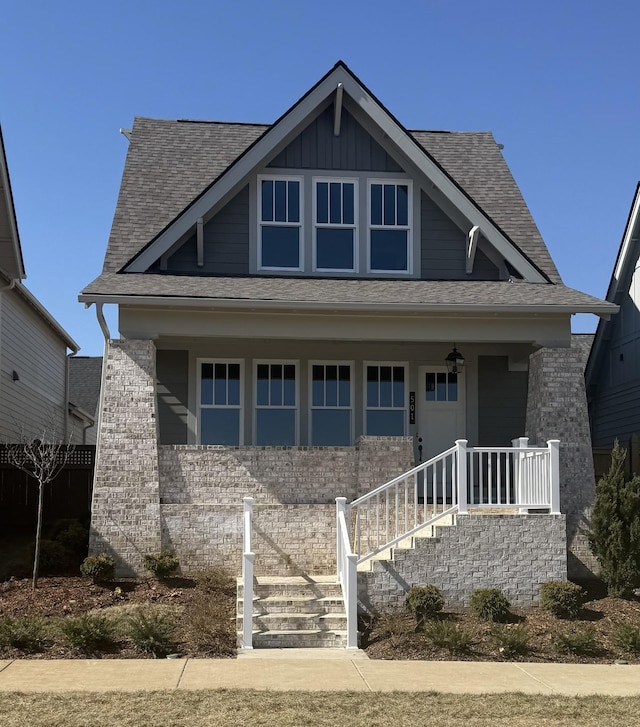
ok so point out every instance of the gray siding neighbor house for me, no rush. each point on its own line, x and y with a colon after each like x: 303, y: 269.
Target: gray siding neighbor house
x: 308, y: 310
x: 613, y: 369
x: 34, y: 348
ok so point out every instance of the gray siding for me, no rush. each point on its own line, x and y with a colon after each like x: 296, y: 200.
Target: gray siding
x: 32, y: 349
x: 226, y: 243
x: 444, y: 248
x: 172, y: 370
x: 502, y: 401
x: 317, y: 148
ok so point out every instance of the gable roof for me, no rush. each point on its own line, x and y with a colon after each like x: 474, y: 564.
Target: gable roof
x: 176, y: 172
x: 85, y: 378
x: 11, y: 262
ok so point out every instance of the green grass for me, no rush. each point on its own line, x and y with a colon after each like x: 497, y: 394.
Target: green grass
x: 227, y: 708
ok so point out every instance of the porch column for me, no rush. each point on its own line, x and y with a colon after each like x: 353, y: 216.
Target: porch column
x: 557, y: 409
x: 125, y: 512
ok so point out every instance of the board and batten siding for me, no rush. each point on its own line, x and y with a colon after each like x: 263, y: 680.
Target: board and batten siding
x: 502, y: 401
x: 35, y: 352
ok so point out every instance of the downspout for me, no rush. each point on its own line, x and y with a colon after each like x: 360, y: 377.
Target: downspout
x: 9, y: 285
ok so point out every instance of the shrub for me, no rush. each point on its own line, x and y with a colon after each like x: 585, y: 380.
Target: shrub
x: 88, y: 632
x: 209, y: 626
x: 580, y: 641
x: 562, y: 598
x: 74, y: 537
x: 161, y: 564
x: 627, y: 638
x: 216, y: 580
x: 151, y: 631
x: 446, y: 635
x: 614, y: 533
x: 24, y: 632
x: 54, y: 557
x: 99, y: 568
x: 511, y: 641
x: 490, y: 604
x: 424, y: 602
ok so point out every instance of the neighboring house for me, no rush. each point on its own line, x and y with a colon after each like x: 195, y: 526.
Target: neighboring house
x: 613, y: 369
x: 34, y: 348
x: 85, y: 375
x: 289, y: 295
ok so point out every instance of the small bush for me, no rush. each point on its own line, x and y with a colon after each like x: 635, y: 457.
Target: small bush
x: 88, y: 632
x: 490, y: 604
x: 511, y: 641
x: 580, y: 641
x: 161, y: 564
x: 24, y: 632
x: 393, y: 624
x: 424, y: 602
x: 75, y: 538
x: 561, y: 598
x: 216, y: 580
x: 627, y: 638
x: 54, y: 557
x: 151, y: 632
x: 209, y: 626
x: 446, y: 635
x: 100, y: 568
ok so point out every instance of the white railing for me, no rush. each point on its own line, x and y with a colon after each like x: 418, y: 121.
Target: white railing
x: 247, y: 576
x: 347, y: 573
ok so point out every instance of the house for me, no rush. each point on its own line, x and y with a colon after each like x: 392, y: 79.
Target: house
x: 613, y: 368
x: 85, y: 377
x: 308, y: 309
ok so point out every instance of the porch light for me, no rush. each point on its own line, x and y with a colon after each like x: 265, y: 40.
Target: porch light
x: 455, y: 361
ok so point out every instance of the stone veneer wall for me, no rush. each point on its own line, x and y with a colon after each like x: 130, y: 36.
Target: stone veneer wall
x: 557, y: 409
x: 125, y: 512
x: 514, y: 553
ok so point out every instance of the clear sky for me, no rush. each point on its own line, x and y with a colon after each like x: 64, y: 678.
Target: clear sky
x: 555, y: 80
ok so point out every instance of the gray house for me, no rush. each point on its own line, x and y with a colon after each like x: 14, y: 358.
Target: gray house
x: 312, y: 308
x: 613, y: 369
x: 34, y: 348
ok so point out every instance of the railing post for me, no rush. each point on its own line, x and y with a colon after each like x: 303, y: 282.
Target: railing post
x: 461, y: 456
x: 554, y: 475
x: 352, y: 601
x: 341, y: 506
x: 520, y: 443
x: 247, y: 576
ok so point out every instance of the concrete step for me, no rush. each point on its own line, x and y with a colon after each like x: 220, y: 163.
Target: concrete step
x: 294, y: 586
x: 295, y: 604
x: 298, y: 622
x: 300, y: 639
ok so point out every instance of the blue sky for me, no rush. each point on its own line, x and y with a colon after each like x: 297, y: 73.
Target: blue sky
x: 555, y: 81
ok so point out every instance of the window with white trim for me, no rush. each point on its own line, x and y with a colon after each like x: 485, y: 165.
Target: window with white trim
x: 331, y: 404
x: 336, y: 222
x: 385, y: 399
x: 220, y: 402
x: 280, y: 218
x: 390, y: 217
x: 276, y: 392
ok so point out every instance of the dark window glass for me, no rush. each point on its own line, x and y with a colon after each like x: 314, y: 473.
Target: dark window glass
x: 275, y: 385
x: 276, y: 427
x: 389, y: 204
x: 331, y: 386
x: 220, y: 426
x: 281, y: 200
x: 220, y: 385
x: 331, y: 427
x: 335, y: 205
x: 452, y: 388
x: 289, y: 398
x: 385, y: 422
x: 441, y: 387
x: 403, y: 204
x: 317, y: 386
x: 389, y: 250
x: 430, y: 387
x: 233, y: 386
x: 267, y: 201
x: 322, y: 202
x: 262, y: 393
x: 344, y: 386
x: 398, y: 386
x: 386, y: 397
x: 376, y: 204
x: 348, y: 207
x: 334, y: 248
x: 280, y: 247
x: 294, y: 202
x: 372, y: 386
x: 206, y: 384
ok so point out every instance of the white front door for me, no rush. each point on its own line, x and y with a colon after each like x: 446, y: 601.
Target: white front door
x: 441, y: 409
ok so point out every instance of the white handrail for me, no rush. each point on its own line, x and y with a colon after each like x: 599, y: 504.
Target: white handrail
x: 347, y: 573
x: 247, y: 576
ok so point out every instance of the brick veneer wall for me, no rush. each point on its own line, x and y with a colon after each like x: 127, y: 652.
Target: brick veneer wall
x: 125, y: 513
x: 557, y: 409
x: 514, y: 553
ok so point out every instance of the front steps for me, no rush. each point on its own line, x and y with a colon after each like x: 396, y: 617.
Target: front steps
x: 296, y: 612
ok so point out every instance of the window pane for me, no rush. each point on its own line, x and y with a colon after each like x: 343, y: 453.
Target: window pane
x: 385, y: 386
x: 376, y: 204
x: 452, y: 388
x: 335, y: 205
x: 348, y: 214
x: 206, y: 384
x: 294, y: 202
x: 220, y: 385
x: 281, y: 200
x: 398, y: 386
x: 441, y: 387
x: 233, y: 396
x: 334, y: 249
x: 344, y: 387
x: 262, y: 393
x: 275, y: 385
x: 389, y: 250
x: 389, y: 204
x: 317, y: 386
x: 372, y: 386
x: 322, y: 202
x: 289, y: 385
x: 267, y: 201
x: 332, y: 386
x: 403, y: 204
x: 331, y: 427
x: 430, y: 387
x: 385, y: 422
x: 280, y: 247
x: 276, y: 427
x: 220, y: 426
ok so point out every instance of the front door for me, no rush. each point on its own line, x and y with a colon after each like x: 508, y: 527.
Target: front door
x: 441, y: 409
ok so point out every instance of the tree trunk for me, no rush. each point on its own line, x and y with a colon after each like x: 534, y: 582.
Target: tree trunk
x: 36, y: 554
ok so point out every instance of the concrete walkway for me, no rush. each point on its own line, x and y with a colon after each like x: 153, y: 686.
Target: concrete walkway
x: 325, y: 670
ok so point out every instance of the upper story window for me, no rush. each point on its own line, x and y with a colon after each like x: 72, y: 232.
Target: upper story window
x: 389, y: 227
x: 336, y: 225
x: 280, y: 215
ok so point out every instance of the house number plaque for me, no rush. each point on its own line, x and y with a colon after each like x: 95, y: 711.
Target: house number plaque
x: 412, y: 407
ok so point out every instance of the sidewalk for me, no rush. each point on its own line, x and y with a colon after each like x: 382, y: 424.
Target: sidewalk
x: 332, y: 670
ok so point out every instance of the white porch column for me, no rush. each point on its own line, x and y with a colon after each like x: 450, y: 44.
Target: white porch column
x: 461, y: 463
x: 554, y: 473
